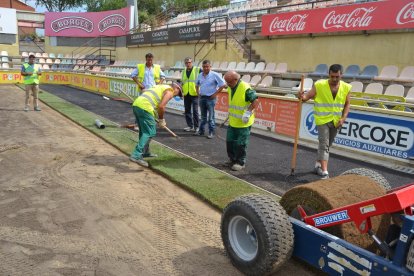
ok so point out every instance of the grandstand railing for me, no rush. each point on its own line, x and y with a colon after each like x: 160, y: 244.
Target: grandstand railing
x: 105, y: 49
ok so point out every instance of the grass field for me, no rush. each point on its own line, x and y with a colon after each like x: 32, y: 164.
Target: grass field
x: 210, y: 184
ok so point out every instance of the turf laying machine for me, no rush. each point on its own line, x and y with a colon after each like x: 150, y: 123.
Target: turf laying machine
x: 353, y: 224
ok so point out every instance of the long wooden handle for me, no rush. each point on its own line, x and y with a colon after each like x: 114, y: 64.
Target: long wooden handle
x: 129, y: 97
x: 170, y: 131
x: 295, y: 146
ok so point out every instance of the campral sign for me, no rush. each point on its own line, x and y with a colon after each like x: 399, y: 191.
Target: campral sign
x: 379, y: 15
x: 376, y: 133
x: 87, y: 24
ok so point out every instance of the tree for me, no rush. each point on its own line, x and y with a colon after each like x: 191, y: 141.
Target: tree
x: 104, y: 5
x: 59, y: 5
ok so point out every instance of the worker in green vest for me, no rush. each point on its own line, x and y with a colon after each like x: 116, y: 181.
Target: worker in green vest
x: 188, y: 80
x: 147, y: 74
x: 242, y: 102
x: 330, y: 110
x: 147, y: 107
x: 31, y: 72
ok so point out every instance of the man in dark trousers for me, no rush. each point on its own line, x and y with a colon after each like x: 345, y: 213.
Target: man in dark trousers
x: 188, y: 82
x: 242, y: 102
x: 331, y: 108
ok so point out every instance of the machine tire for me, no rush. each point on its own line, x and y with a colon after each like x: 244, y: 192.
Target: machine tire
x: 256, y: 234
x: 377, y: 177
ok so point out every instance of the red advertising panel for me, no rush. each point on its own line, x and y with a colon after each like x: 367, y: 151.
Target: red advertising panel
x: 383, y: 15
x: 87, y: 24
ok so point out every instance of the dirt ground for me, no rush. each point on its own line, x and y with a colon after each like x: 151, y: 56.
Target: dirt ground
x: 70, y: 204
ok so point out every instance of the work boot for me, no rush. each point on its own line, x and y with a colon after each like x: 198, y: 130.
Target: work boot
x: 141, y: 162
x: 237, y: 167
x: 149, y: 155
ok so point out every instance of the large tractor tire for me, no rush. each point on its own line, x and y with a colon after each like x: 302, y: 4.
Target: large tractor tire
x: 324, y: 195
x: 377, y: 177
x: 257, y: 234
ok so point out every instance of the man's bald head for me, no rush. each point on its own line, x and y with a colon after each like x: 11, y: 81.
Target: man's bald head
x: 231, y: 78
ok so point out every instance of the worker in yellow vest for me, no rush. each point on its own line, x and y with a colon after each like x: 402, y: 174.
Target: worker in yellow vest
x: 31, y: 72
x: 330, y: 110
x: 188, y: 80
x: 242, y: 102
x: 147, y: 107
x: 147, y: 74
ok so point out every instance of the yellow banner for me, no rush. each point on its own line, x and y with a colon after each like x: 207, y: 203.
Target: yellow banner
x: 8, y: 77
x: 55, y: 78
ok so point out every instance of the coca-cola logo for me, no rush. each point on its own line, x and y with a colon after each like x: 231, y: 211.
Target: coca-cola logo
x: 70, y: 22
x: 113, y: 20
x: 360, y: 17
x: 406, y: 14
x: 296, y: 22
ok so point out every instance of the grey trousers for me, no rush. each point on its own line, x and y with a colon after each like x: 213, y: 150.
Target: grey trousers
x: 326, y: 136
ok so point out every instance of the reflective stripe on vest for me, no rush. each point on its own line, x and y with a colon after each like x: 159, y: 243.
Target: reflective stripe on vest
x: 32, y: 78
x: 238, y: 105
x: 189, y: 84
x: 327, y: 109
x: 156, y: 70
x: 150, y: 99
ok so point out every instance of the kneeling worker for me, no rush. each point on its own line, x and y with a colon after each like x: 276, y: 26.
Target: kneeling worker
x: 146, y: 107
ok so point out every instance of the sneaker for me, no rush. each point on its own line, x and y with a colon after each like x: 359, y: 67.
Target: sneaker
x: 141, y: 162
x: 196, y: 129
x: 324, y: 175
x: 149, y: 155
x: 37, y: 108
x: 188, y: 129
x: 26, y: 108
x: 317, y: 168
x: 318, y: 171
x: 237, y: 167
x: 210, y: 136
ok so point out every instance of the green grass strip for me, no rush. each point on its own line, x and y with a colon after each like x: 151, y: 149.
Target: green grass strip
x: 208, y: 183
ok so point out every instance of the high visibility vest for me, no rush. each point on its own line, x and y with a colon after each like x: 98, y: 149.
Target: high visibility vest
x: 151, y: 98
x: 189, y: 84
x: 141, y: 73
x: 327, y: 109
x: 32, y: 79
x: 238, y: 105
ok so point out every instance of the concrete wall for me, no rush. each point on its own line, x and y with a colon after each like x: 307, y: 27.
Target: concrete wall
x: 12, y: 49
x: 173, y: 53
x: 303, y: 53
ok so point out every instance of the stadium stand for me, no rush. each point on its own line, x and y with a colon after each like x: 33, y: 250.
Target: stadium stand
x: 320, y: 71
x: 410, y: 95
x: 266, y: 82
x: 388, y: 73
x: 307, y: 85
x: 231, y: 66
x: 369, y: 72
x: 374, y: 88
x: 395, y: 90
x: 352, y: 72
x: 281, y: 68
x: 357, y: 86
x: 270, y: 68
x: 255, y: 80
x: 246, y: 78
x: 407, y: 75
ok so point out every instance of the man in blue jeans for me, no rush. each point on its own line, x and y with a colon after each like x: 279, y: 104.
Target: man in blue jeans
x: 208, y: 85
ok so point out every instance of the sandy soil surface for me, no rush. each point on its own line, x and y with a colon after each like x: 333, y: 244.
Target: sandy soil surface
x: 70, y: 204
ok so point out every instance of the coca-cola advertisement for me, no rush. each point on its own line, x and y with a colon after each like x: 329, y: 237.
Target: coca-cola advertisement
x: 88, y: 24
x: 382, y: 15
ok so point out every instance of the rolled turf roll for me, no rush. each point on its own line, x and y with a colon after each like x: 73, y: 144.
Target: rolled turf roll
x: 337, y: 192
